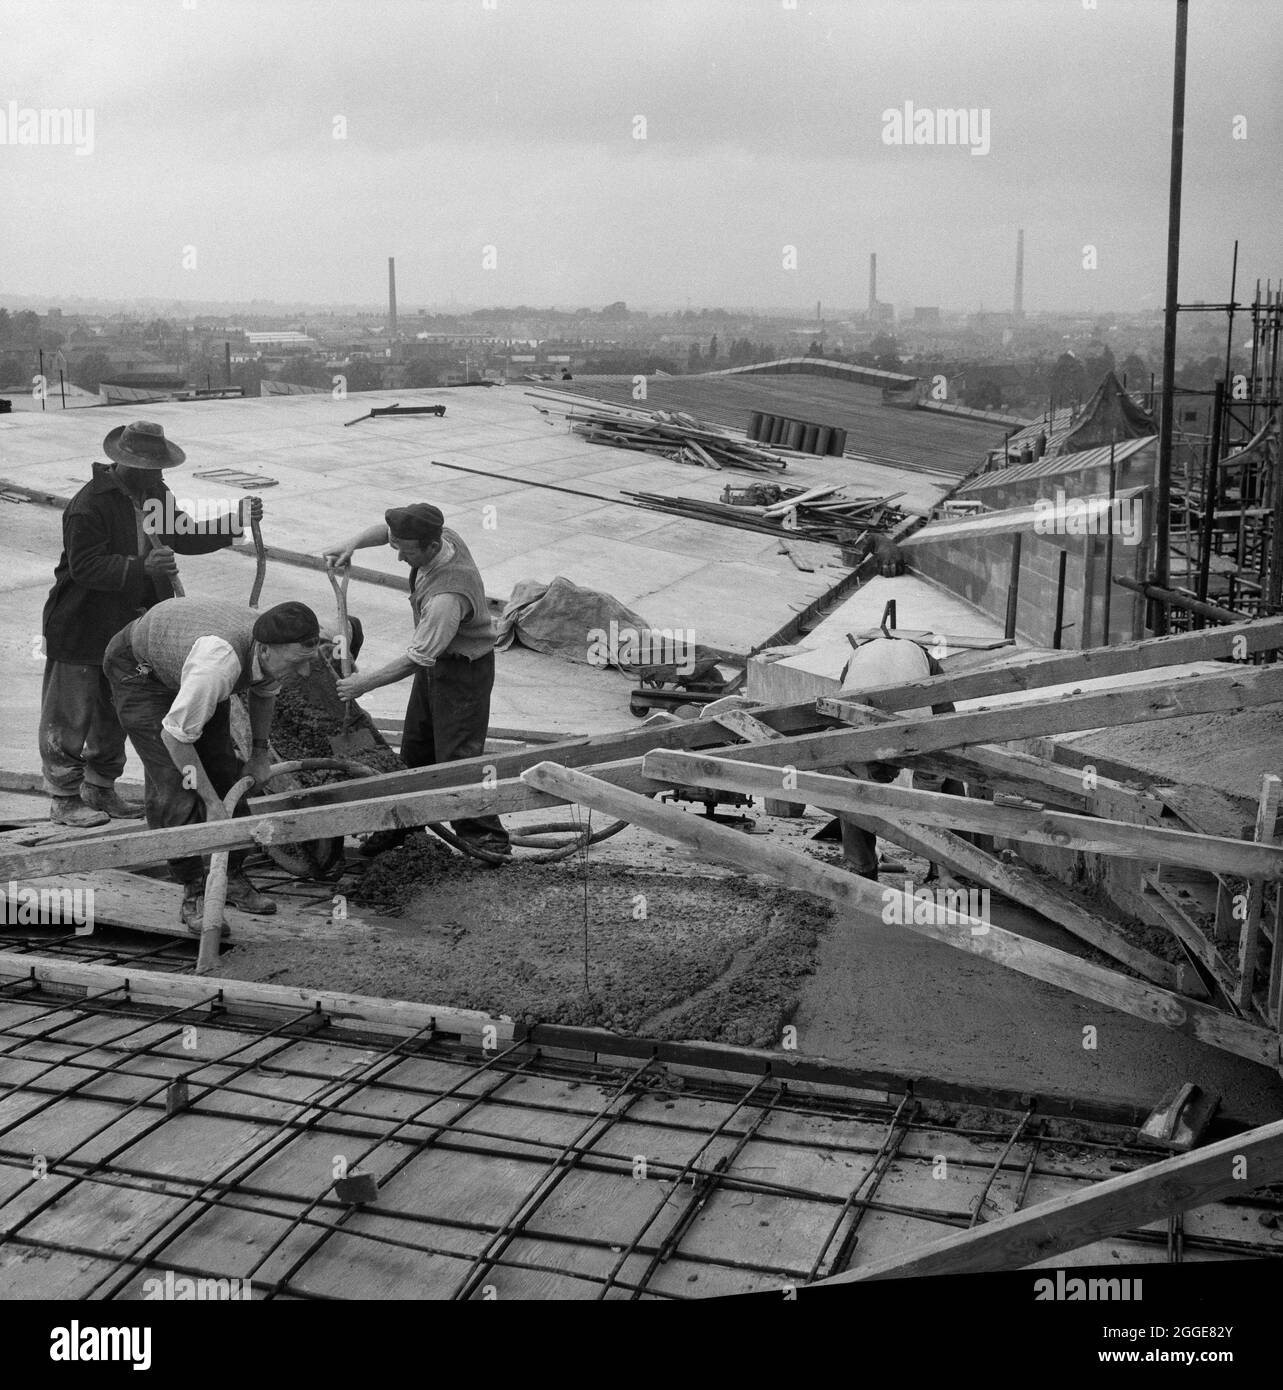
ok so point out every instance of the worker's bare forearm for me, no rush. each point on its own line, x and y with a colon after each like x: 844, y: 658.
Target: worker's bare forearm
x: 372, y: 535
x: 398, y: 670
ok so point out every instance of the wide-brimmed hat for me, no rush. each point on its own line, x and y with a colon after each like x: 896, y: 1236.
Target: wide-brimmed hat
x: 142, y: 445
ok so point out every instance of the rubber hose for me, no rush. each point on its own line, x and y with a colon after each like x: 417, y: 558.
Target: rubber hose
x: 581, y: 841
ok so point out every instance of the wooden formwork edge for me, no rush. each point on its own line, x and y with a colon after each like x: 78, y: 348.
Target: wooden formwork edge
x: 403, y: 1016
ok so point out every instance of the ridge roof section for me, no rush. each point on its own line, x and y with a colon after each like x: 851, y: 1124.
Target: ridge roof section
x: 1049, y: 466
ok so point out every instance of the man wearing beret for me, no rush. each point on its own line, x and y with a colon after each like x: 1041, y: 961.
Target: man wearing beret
x: 450, y: 656
x: 172, y: 673
x: 119, y: 535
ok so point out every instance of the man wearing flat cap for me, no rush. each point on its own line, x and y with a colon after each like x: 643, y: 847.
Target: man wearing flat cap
x: 450, y: 656
x: 119, y: 535
x: 172, y: 673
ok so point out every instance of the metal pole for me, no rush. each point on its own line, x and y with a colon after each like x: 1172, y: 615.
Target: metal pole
x: 1162, y: 532
x: 1209, y: 494
x: 1109, y: 544
x: 1013, y: 586
x: 1060, y: 600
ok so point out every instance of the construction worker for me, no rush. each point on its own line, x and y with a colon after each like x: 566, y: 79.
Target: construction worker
x: 877, y: 662
x: 172, y: 673
x: 119, y: 535
x: 450, y: 656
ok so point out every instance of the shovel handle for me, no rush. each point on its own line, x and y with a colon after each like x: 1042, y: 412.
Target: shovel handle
x: 260, y: 564
x: 340, y: 594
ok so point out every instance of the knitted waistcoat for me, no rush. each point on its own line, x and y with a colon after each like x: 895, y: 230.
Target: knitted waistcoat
x: 458, y: 575
x: 164, y: 636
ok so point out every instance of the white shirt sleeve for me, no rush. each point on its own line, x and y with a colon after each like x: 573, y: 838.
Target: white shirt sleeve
x: 209, y: 675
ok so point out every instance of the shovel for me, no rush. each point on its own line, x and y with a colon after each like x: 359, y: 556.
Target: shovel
x: 349, y: 741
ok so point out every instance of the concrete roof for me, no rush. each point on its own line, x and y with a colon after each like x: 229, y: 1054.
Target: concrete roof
x: 920, y: 439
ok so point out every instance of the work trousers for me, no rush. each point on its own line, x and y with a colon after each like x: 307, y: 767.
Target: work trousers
x: 142, y: 702
x: 80, y: 737
x: 446, y: 720
x: 860, y: 846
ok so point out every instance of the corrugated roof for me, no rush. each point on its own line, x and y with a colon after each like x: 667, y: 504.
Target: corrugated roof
x: 919, y: 439
x: 1049, y: 465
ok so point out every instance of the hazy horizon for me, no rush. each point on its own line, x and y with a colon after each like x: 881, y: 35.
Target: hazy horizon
x: 211, y: 173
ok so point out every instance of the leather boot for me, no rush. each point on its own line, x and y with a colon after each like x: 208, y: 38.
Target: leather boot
x: 242, y: 895
x: 70, y: 810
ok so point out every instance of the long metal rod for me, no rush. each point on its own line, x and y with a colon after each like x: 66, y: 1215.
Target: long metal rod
x: 1161, y: 559
x: 1209, y: 493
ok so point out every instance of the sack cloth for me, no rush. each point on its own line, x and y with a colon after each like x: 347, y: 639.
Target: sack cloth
x: 584, y: 625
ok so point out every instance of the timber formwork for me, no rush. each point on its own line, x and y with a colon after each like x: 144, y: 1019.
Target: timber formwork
x: 159, y: 1128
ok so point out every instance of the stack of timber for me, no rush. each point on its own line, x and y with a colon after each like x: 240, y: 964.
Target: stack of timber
x: 822, y: 514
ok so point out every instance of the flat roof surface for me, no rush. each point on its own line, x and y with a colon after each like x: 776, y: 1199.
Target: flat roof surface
x: 333, y: 480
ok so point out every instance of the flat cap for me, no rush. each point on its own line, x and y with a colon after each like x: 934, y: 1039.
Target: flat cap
x: 287, y: 622
x: 420, y: 520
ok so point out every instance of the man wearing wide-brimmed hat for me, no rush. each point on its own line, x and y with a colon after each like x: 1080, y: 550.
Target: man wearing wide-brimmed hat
x: 119, y: 535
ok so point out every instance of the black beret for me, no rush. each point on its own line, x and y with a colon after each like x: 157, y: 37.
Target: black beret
x: 287, y: 622
x: 420, y: 521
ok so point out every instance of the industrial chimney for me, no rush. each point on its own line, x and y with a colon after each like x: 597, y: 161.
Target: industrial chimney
x: 873, y: 283
x: 391, y: 300
x: 1019, y: 311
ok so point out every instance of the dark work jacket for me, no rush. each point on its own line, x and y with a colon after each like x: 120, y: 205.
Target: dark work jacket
x: 100, y: 584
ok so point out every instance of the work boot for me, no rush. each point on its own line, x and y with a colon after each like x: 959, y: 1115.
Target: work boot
x: 70, y: 810
x: 192, y: 912
x: 242, y: 894
x: 109, y: 800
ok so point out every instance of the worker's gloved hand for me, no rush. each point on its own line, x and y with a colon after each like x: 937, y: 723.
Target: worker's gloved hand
x: 251, y: 510
x: 258, y: 767
x: 337, y: 557
x: 160, y: 561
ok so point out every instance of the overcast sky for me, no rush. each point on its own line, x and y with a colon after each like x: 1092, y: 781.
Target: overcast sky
x: 514, y: 127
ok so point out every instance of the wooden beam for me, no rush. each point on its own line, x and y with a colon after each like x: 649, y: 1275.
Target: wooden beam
x: 166, y: 988
x: 1136, y: 704
x: 1108, y: 1208
x: 1025, y: 887
x: 1249, y: 949
x: 1060, y: 829
x: 1241, y: 640
x: 577, y: 752
x: 721, y: 845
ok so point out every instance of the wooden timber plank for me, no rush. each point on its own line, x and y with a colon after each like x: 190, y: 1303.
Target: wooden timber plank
x: 1249, y: 948
x: 577, y: 752
x: 1174, y: 914
x: 1165, y: 699
x: 122, y: 899
x: 1153, y: 844
x: 1045, y: 963
x: 1239, y: 640
x: 1105, y: 1209
x: 1022, y: 885
x: 150, y: 985
x: 897, y: 739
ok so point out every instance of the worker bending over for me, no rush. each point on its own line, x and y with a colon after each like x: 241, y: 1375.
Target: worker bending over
x: 450, y: 656
x: 172, y: 674
x: 887, y: 661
